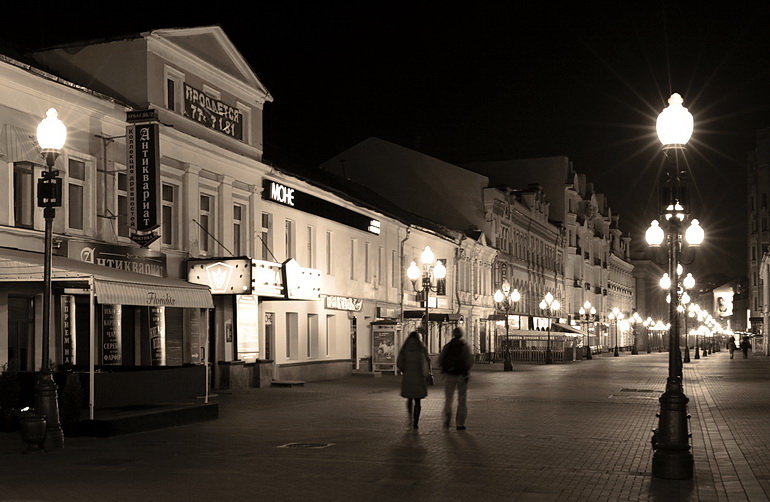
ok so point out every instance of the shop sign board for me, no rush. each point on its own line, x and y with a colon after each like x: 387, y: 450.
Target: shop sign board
x: 143, y: 166
x: 131, y: 259
x: 294, y: 198
x: 112, y: 335
x: 343, y: 303
x: 68, y: 329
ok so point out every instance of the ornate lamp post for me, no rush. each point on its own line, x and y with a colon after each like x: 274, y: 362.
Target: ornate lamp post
x: 615, y: 315
x: 550, y: 305
x: 648, y: 323
x: 431, y: 269
x: 587, y: 313
x: 506, y: 301
x: 672, y: 458
x: 51, y: 135
x: 694, y: 311
x: 635, y: 320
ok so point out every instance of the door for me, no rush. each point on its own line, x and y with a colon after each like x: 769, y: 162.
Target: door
x: 21, y: 333
x: 354, y: 341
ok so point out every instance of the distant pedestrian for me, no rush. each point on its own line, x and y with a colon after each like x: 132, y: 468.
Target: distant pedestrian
x: 413, y: 361
x: 455, y: 362
x: 731, y: 346
x: 745, y: 347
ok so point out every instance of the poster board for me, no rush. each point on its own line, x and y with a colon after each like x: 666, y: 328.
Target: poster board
x: 384, y: 347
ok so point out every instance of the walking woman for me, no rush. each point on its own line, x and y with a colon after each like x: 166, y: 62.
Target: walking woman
x: 413, y: 361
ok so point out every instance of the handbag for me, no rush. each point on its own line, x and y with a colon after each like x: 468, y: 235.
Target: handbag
x: 429, y: 379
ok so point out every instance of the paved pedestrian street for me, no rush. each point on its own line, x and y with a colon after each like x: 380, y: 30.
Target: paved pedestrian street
x: 579, y: 431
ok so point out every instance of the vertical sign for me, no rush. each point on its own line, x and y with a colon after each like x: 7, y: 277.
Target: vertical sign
x: 158, y: 336
x: 68, y: 328
x: 111, y: 334
x: 143, y: 160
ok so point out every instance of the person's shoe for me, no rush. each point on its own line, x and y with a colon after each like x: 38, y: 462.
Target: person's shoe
x: 415, y: 426
x: 460, y: 427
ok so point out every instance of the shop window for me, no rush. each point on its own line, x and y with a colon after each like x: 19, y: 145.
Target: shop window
x: 312, y: 336
x: 23, y: 195
x: 292, y: 335
x: 331, y: 330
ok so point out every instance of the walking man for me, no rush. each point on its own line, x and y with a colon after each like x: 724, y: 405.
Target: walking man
x: 455, y: 362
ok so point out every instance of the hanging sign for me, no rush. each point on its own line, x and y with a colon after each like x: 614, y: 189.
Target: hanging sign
x: 143, y: 161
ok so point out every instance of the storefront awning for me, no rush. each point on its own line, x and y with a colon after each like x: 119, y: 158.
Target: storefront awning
x: 111, y: 286
x: 558, y: 326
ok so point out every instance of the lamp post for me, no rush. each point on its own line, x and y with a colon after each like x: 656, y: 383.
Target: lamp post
x: 585, y: 311
x: 694, y: 311
x: 550, y: 305
x: 51, y: 135
x: 431, y: 269
x: 635, y: 320
x: 506, y: 300
x: 647, y: 324
x: 672, y: 458
x: 615, y: 315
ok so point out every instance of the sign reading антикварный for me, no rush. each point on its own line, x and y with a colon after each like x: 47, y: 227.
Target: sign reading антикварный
x: 291, y: 197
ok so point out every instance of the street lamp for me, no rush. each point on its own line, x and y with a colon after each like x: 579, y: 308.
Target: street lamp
x: 51, y: 135
x: 672, y: 458
x: 615, y: 315
x: 694, y: 311
x: 506, y: 300
x: 587, y: 311
x: 431, y: 268
x: 648, y: 323
x: 635, y: 320
x: 550, y: 305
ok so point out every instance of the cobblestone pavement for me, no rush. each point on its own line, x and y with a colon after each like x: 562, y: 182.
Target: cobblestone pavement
x: 564, y: 432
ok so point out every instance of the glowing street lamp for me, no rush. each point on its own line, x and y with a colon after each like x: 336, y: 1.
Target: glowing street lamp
x: 614, y: 316
x: 51, y: 136
x: 587, y: 313
x: 431, y: 269
x: 506, y: 300
x: 550, y: 305
x: 672, y: 458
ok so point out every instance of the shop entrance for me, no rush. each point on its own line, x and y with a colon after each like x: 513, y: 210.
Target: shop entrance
x: 21, y: 333
x: 353, y: 341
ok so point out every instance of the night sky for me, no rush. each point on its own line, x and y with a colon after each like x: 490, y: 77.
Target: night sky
x: 467, y: 82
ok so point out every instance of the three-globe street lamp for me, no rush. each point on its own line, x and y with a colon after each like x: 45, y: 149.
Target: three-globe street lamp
x: 648, y: 323
x: 506, y: 300
x: 550, y: 305
x: 614, y: 316
x: 587, y: 313
x: 635, y: 320
x: 51, y: 135
x: 672, y: 458
x: 694, y: 311
x: 431, y: 269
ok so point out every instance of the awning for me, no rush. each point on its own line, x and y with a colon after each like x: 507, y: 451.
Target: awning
x: 111, y: 286
x: 558, y: 326
x: 433, y: 316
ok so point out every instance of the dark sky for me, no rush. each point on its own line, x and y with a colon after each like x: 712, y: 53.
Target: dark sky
x: 470, y: 82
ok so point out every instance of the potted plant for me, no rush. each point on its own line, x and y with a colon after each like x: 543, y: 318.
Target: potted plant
x: 9, y: 398
x: 32, y: 427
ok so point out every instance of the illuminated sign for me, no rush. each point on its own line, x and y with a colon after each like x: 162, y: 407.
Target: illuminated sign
x: 143, y: 158
x: 344, y: 303
x: 291, y: 197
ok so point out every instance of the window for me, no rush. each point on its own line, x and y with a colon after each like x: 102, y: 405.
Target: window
x: 380, y: 266
x: 122, y: 216
x: 331, y: 329
x: 395, y: 270
x: 237, y: 229
x: 310, y: 247
x: 174, y: 94
x: 290, y: 240
x: 367, y: 262
x: 206, y: 224
x: 329, y: 254
x: 169, y: 223
x: 76, y: 180
x: 266, y: 237
x: 292, y: 335
x: 312, y: 336
x: 353, y: 243
x: 23, y: 195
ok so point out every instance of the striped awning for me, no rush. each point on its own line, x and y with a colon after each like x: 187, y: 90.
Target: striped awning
x: 152, y: 295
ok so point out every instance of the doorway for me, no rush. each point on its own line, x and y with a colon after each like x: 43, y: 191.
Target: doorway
x: 21, y: 333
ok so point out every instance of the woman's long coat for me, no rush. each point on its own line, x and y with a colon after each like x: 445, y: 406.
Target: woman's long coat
x: 414, y: 363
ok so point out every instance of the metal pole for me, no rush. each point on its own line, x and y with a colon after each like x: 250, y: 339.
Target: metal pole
x: 672, y: 458
x: 548, y: 353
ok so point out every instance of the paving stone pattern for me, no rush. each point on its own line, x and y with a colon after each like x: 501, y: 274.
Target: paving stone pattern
x: 565, y: 432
